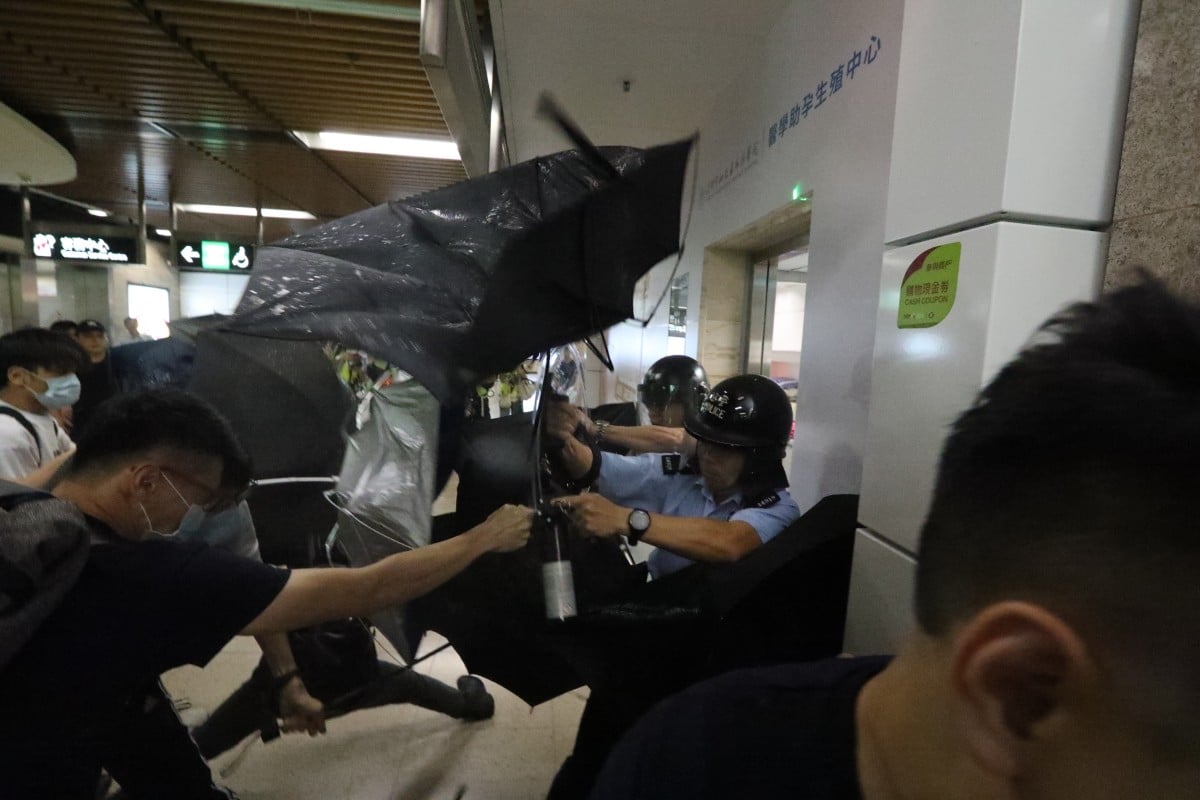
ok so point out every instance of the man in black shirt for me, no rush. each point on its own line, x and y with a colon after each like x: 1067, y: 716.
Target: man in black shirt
x: 97, y: 382
x: 1056, y: 598
x: 153, y: 464
x: 773, y: 732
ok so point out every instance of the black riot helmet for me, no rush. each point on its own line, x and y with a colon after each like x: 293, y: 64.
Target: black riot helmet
x: 748, y: 412
x: 744, y: 411
x: 674, y: 379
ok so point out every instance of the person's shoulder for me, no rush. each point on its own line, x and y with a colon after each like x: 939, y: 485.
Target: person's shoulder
x: 784, y: 730
x: 11, y: 428
x: 787, y: 501
x: 807, y: 676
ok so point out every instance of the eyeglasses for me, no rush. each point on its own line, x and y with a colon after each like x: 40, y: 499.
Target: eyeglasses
x: 220, y: 500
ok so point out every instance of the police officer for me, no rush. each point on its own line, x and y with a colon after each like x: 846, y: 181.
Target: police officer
x: 717, y: 507
x: 671, y: 387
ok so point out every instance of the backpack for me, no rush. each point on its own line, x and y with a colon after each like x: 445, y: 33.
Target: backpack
x: 44, y: 544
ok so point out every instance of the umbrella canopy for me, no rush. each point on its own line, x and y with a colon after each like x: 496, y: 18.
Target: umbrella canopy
x: 188, y: 328
x: 466, y: 281
x: 156, y: 364
x: 282, y: 398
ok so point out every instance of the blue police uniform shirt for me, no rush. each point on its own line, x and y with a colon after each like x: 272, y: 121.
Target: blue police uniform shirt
x: 652, y: 482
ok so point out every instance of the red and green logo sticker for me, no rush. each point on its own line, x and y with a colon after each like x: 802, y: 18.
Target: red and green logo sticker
x: 929, y: 286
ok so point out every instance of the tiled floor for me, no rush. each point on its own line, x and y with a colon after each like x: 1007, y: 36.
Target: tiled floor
x: 393, y: 753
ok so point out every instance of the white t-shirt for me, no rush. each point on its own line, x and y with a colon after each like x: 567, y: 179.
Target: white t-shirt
x: 19, y: 453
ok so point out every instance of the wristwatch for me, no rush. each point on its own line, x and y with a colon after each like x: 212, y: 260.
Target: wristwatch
x: 639, y: 523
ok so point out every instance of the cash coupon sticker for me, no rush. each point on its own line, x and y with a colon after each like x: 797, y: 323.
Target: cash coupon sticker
x: 929, y: 286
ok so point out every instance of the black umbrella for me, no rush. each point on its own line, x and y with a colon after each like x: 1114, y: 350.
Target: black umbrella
x: 464, y: 282
x: 188, y: 328
x: 156, y: 364
x: 493, y: 613
x: 282, y: 398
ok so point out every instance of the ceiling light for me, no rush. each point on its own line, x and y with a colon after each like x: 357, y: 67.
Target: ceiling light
x: 97, y: 212
x: 243, y: 211
x: 410, y: 146
x: 163, y: 232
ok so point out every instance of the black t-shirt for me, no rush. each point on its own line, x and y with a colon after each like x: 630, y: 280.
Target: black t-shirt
x: 96, y: 384
x: 774, y: 732
x: 137, y: 610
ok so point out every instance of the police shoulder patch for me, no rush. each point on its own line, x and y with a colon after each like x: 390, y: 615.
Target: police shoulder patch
x: 670, y: 463
x: 768, y: 500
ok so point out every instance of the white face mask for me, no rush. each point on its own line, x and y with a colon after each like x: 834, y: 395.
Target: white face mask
x: 60, y: 392
x: 192, y: 521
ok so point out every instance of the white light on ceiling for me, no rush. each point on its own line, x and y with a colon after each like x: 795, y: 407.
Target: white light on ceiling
x: 410, y: 146
x: 97, y: 212
x: 243, y: 211
x: 162, y: 232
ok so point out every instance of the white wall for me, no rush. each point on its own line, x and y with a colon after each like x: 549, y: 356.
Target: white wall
x: 1006, y: 113
x: 1009, y: 108
x: 840, y: 153
x: 203, y: 293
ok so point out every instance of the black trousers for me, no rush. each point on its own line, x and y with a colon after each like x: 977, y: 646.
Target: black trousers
x: 249, y: 709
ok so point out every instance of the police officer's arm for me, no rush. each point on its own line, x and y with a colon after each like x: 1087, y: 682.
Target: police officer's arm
x: 561, y: 422
x: 691, y: 537
x: 563, y: 419
x: 647, y: 438
x: 316, y: 595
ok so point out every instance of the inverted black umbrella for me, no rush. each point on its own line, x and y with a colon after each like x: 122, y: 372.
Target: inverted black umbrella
x: 464, y: 282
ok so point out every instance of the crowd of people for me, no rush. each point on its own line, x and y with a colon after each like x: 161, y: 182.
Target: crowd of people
x: 1054, y: 591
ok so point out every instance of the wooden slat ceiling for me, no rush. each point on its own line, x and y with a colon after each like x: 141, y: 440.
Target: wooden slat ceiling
x: 198, y: 97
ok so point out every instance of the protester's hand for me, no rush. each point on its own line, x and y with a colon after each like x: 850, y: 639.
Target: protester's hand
x: 595, y: 515
x: 507, y: 528
x: 562, y: 420
x: 300, y: 710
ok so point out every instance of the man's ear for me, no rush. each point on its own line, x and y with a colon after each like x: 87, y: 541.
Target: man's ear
x: 16, y: 375
x: 141, y: 479
x: 1015, y: 667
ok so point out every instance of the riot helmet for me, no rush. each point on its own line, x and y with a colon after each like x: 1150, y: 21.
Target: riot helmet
x: 748, y: 412
x: 673, y: 381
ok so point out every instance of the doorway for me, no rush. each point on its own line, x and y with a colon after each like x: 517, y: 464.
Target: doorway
x: 775, y: 317
x: 775, y: 323
x: 752, y: 300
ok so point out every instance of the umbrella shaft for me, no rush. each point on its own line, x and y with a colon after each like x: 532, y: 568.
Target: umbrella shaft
x: 558, y: 585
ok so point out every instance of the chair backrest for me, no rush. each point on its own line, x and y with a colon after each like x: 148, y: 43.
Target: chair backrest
x: 787, y: 600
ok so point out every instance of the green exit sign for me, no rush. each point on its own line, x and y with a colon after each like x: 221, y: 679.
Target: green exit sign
x: 214, y: 255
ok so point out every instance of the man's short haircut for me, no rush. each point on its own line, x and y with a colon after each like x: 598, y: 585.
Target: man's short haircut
x: 1073, y: 482
x: 130, y: 425
x: 37, y: 347
x: 66, y: 326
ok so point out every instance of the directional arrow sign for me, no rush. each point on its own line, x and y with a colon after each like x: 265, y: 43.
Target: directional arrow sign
x: 213, y: 255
